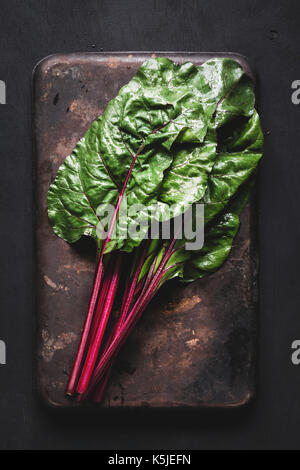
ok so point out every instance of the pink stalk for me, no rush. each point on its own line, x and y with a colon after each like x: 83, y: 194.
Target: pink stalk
x: 149, y: 276
x: 96, y: 324
x: 101, y: 389
x: 120, y: 338
x: 132, y: 318
x: 138, y: 287
x: 134, y: 281
x: 85, y: 334
x: 96, y: 343
x: 127, y: 300
x: 101, y: 301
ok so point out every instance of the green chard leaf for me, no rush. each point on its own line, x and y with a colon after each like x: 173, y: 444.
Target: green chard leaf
x: 218, y: 239
x: 198, y: 139
x: 229, y: 185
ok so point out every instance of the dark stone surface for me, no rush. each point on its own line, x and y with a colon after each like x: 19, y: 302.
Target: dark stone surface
x: 268, y: 33
x: 195, y: 345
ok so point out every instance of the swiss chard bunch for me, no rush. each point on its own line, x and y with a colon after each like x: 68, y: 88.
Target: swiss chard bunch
x: 175, y: 138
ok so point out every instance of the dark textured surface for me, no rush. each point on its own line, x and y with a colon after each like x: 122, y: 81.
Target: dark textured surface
x: 195, y: 345
x: 266, y: 31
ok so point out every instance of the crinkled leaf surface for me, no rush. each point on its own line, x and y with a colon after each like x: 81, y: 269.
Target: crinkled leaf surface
x: 218, y: 239
x: 176, y: 117
x: 230, y: 183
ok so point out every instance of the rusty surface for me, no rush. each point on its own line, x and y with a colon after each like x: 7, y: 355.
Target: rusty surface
x: 195, y: 345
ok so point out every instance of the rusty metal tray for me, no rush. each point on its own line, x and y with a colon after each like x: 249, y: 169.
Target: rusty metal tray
x: 196, y: 344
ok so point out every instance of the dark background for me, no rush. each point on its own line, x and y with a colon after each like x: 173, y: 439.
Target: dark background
x: 268, y: 32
